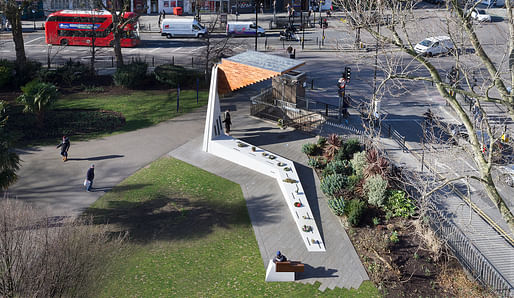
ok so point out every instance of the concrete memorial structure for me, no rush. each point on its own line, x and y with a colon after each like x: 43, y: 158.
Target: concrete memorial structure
x: 216, y: 142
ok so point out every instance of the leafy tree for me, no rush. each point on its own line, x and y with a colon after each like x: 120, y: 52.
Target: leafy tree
x: 9, y: 160
x: 37, y: 97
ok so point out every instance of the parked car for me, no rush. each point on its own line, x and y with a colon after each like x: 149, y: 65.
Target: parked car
x: 434, y: 46
x: 480, y: 15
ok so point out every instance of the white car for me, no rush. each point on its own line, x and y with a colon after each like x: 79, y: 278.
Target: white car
x: 480, y: 15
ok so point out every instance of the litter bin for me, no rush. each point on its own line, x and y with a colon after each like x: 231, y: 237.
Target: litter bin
x: 177, y: 11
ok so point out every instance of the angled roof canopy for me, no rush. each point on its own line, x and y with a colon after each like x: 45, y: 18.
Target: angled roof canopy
x: 251, y: 67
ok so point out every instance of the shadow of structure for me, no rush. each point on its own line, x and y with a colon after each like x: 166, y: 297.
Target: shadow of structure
x: 316, y: 272
x: 309, y: 187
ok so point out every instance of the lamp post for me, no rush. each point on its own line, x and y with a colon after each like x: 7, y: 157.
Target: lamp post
x: 34, y: 18
x: 256, y: 22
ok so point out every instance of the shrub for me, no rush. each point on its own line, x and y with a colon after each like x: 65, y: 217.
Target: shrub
x: 131, y: 75
x: 316, y: 162
x: 376, y: 189
x: 310, y: 149
x: 6, y: 72
x: 394, y: 237
x: 354, y: 210
x: 337, y: 205
x: 322, y: 141
x: 72, y: 72
x: 38, y: 97
x: 338, y: 167
x: 27, y: 74
x: 353, y: 180
x: 332, y: 185
x: 359, y: 163
x: 348, y: 149
x: 174, y: 75
x: 400, y: 205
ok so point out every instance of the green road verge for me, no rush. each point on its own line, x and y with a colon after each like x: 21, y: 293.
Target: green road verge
x: 189, y: 236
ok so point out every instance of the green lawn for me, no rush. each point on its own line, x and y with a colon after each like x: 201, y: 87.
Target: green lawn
x: 140, y: 108
x: 190, y: 236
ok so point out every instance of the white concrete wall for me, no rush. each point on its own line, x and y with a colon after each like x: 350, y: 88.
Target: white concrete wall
x: 219, y: 144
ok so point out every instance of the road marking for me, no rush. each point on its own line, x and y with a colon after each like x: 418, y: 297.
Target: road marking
x: 38, y: 38
x: 132, y: 50
x: 151, y: 51
x: 176, y: 49
x: 199, y: 48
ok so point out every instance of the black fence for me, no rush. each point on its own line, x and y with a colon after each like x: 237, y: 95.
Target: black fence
x: 108, y: 62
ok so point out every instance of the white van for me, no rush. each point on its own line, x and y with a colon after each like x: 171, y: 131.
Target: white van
x: 434, y: 46
x: 182, y: 28
x: 244, y: 29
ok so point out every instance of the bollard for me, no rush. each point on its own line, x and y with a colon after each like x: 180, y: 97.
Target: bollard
x: 192, y: 62
x: 312, y: 84
x: 337, y: 45
x: 265, y: 43
x: 303, y: 43
x: 326, y: 110
x: 197, y: 88
x: 149, y: 27
x: 172, y: 60
x: 317, y: 40
x: 153, y: 61
x: 283, y: 44
x: 178, y: 96
x: 112, y: 61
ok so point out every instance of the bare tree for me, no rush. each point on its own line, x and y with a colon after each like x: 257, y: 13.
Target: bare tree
x: 215, y: 49
x: 46, y: 257
x: 119, y: 23
x: 398, y: 31
x: 13, y: 10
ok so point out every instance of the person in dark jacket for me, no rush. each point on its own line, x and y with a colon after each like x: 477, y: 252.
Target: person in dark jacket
x: 227, y: 122
x: 90, y: 176
x: 280, y: 257
x: 65, y: 146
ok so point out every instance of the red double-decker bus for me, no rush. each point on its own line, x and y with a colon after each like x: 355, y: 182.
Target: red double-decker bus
x: 81, y: 27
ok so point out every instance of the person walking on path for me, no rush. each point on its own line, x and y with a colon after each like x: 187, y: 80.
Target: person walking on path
x: 90, y: 176
x: 227, y: 122
x: 65, y: 146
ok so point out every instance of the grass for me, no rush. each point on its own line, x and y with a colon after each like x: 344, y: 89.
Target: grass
x: 190, y: 236
x: 140, y: 108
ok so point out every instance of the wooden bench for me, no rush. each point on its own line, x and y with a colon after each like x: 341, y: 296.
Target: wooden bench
x: 290, y: 266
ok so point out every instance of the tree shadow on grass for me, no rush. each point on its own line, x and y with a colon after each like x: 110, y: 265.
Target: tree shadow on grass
x: 170, y: 217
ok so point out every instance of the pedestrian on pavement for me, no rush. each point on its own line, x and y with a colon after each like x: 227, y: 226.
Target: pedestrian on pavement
x: 65, y: 146
x: 227, y: 122
x: 160, y: 19
x: 163, y: 14
x: 90, y: 176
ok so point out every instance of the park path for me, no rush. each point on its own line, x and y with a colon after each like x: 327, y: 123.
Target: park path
x: 49, y: 183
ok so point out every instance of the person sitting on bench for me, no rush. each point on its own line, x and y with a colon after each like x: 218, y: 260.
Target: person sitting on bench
x: 279, y: 258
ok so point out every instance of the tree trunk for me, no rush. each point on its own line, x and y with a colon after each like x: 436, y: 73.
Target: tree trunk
x: 117, y: 51
x: 492, y: 193
x: 14, y: 17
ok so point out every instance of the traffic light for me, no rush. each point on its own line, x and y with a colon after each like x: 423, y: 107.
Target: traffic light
x: 347, y: 72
